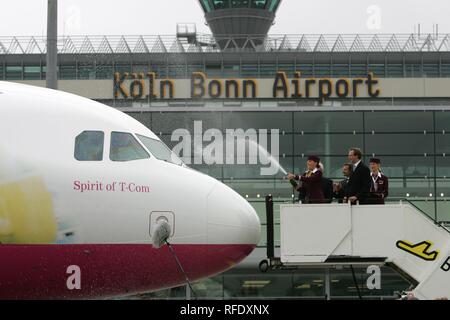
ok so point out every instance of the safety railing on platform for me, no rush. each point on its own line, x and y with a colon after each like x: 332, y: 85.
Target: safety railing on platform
x: 270, y: 237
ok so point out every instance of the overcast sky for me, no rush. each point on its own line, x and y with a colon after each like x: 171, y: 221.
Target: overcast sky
x: 133, y: 17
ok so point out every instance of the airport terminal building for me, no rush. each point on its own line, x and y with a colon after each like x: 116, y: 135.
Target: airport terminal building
x: 296, y: 95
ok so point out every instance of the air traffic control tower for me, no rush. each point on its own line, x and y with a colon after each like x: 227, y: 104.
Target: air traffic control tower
x: 233, y: 21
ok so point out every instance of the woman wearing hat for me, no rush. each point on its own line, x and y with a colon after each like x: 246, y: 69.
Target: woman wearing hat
x: 311, y: 185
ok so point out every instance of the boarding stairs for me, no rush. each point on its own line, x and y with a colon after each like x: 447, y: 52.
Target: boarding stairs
x: 396, y: 235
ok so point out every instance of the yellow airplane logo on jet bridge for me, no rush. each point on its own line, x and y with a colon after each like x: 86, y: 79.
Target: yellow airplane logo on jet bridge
x: 421, y: 250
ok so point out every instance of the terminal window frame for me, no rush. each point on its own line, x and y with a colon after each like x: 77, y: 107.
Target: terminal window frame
x: 139, y: 151
x: 93, y: 139
x: 14, y: 72
x: 31, y: 72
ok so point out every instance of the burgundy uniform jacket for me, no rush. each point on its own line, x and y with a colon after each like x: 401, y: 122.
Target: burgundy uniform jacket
x: 311, y: 187
x: 379, y: 189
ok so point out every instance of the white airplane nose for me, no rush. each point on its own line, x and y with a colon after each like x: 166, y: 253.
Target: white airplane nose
x: 231, y: 219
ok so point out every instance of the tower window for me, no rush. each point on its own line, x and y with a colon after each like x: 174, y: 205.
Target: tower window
x: 221, y: 4
x: 205, y: 5
x: 259, y: 4
x: 240, y: 3
x: 274, y: 5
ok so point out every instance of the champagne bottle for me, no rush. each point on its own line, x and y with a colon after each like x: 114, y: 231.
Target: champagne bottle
x: 293, y: 183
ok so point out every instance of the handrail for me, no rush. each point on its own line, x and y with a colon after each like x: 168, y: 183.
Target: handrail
x: 437, y: 223
x: 443, y: 224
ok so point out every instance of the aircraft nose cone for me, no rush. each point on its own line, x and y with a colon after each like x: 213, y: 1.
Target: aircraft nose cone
x: 231, y: 219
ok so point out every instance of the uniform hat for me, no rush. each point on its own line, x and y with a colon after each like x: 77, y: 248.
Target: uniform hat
x: 375, y: 160
x: 314, y: 158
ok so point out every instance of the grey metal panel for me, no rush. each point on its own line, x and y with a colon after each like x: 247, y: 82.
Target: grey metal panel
x: 240, y: 21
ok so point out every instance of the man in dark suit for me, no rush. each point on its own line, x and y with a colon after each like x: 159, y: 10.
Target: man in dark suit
x: 327, y: 187
x: 359, y: 183
x: 340, y: 189
x: 379, y: 187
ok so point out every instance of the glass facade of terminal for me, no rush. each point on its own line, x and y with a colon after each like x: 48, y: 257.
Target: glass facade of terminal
x: 226, y: 69
x: 303, y: 284
x: 414, y: 147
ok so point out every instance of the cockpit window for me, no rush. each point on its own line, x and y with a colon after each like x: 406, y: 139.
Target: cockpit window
x: 89, y: 146
x: 124, y: 147
x: 159, y: 150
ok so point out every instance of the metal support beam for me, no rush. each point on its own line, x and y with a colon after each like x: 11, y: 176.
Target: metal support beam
x: 52, y: 44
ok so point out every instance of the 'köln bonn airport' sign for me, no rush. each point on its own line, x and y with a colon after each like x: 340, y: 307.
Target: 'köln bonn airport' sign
x: 147, y: 86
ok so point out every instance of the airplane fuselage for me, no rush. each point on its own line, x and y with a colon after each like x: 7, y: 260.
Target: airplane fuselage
x: 81, y: 187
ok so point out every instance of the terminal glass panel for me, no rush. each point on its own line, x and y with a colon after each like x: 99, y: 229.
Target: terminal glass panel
x: 358, y: 70
x: 68, y: 72
x: 14, y: 72
x: 340, y: 70
x: 413, y: 146
x: 86, y: 71
x: 395, y: 70
x: 307, y: 70
x: 378, y: 70
x: 431, y: 70
x: 413, y: 70
x: 322, y: 70
x: 249, y: 70
x: 445, y: 70
x: 104, y: 72
x: 32, y: 73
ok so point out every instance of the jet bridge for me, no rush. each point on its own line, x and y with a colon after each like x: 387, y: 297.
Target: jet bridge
x: 398, y: 235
